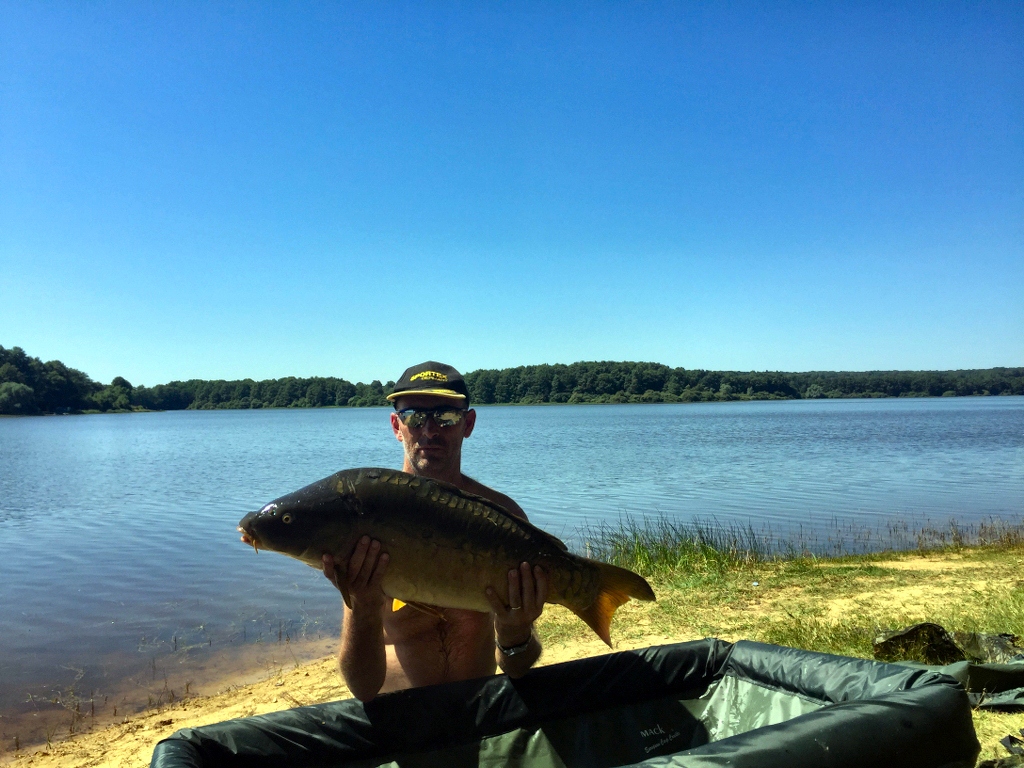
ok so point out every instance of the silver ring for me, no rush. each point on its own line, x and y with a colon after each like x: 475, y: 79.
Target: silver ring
x: 517, y: 608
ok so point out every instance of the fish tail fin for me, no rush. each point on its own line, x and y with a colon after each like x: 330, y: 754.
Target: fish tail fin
x: 617, y: 586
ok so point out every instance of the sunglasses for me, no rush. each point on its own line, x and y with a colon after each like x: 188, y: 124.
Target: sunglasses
x: 443, y: 416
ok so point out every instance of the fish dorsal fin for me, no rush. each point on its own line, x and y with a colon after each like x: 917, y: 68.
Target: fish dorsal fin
x: 541, y: 533
x: 534, y: 530
x: 558, y: 541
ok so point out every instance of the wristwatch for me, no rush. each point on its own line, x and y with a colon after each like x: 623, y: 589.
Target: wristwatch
x: 515, y: 648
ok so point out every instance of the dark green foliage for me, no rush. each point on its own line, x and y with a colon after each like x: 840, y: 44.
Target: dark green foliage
x: 28, y: 385
x: 17, y: 399
x: 53, y: 386
x: 112, y: 398
x: 627, y: 382
x: 290, y: 392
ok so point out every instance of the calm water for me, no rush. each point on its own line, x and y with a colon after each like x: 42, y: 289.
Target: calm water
x: 119, y: 556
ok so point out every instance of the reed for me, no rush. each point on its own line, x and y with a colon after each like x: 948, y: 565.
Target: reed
x: 665, y: 548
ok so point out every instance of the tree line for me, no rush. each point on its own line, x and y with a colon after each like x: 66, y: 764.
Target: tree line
x: 627, y: 382
x: 30, y: 386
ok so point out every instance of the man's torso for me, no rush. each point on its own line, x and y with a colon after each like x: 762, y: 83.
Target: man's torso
x: 424, y: 649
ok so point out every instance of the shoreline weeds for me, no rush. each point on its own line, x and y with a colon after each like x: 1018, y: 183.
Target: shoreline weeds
x: 829, y: 605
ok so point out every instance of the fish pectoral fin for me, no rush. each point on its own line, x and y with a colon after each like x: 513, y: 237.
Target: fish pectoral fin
x: 422, y: 607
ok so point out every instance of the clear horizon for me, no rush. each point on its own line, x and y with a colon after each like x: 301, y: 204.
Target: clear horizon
x: 264, y: 190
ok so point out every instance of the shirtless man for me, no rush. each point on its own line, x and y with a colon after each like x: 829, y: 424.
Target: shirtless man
x: 384, y: 650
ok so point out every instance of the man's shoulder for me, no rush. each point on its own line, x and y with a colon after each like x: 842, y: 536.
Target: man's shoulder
x: 473, y: 486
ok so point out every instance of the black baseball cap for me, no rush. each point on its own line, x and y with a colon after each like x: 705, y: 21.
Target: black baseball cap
x: 432, y: 378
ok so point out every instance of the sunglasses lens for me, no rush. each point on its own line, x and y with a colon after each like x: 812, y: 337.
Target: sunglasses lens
x: 443, y: 417
x: 415, y: 419
x: 447, y: 417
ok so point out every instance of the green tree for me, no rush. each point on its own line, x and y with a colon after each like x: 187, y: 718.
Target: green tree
x: 17, y: 398
x: 112, y: 398
x: 10, y: 372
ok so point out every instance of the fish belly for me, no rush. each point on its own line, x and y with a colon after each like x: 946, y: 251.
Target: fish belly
x: 449, y: 577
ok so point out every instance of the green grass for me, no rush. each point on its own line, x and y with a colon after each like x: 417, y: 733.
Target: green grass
x: 663, y: 547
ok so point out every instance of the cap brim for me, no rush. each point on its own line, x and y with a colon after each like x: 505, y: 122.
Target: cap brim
x: 447, y: 394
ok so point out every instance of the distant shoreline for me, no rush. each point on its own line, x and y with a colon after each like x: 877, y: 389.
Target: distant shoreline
x: 28, y: 386
x: 736, y: 399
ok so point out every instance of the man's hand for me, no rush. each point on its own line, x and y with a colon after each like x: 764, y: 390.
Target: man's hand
x: 361, y: 655
x: 527, y: 591
x: 361, y: 579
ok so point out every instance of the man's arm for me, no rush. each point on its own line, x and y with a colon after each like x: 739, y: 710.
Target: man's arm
x: 527, y: 589
x: 513, y: 623
x: 361, y: 655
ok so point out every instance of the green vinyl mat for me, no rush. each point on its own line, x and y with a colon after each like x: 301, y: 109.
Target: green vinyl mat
x: 699, y: 704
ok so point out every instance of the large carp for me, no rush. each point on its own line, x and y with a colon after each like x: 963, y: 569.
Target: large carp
x: 446, y: 546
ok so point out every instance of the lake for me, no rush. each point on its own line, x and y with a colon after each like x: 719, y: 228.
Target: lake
x: 123, y: 577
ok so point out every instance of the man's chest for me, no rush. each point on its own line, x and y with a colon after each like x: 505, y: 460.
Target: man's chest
x: 409, y: 624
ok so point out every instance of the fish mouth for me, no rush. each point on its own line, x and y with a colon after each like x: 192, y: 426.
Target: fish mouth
x: 248, y: 537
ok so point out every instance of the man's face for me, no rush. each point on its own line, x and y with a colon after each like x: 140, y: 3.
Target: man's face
x: 431, y: 450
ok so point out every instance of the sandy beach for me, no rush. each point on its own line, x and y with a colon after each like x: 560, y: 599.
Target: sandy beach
x: 130, y: 743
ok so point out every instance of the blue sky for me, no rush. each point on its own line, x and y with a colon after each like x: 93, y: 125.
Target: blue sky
x: 230, y: 190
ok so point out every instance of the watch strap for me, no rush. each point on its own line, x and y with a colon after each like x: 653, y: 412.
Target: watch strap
x: 515, y: 648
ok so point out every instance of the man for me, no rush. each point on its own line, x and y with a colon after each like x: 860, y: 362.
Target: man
x: 386, y: 650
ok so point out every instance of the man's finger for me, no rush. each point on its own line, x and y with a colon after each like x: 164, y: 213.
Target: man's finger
x: 515, y: 592
x: 378, y: 573
x: 542, y: 586
x: 369, y: 563
x: 526, y: 577
x: 496, y: 605
x: 355, y: 563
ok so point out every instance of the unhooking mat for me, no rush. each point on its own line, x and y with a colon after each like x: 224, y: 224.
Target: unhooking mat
x: 698, y: 704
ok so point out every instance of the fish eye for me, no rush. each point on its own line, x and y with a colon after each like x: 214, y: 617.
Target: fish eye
x: 286, y: 518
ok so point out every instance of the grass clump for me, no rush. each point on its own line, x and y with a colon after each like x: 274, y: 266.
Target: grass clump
x: 814, y: 633
x: 666, y: 548
x: 663, y: 547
